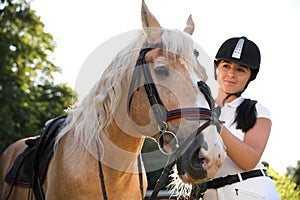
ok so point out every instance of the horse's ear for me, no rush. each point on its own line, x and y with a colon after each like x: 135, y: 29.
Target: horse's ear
x: 190, y: 26
x: 150, y: 24
x: 148, y: 19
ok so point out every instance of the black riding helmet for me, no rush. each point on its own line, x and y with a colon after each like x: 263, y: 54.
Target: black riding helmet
x: 242, y: 51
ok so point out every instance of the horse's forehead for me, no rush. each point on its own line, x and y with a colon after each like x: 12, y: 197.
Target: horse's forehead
x: 185, y: 76
x: 160, y: 56
x: 184, y: 67
x: 162, y: 60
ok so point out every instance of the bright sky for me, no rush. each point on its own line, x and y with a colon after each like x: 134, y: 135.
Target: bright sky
x: 79, y: 27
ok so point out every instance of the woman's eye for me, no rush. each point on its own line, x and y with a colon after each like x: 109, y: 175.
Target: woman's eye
x: 225, y: 66
x: 162, y: 71
x: 242, y: 70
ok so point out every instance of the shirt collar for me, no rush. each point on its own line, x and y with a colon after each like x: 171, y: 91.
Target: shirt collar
x: 236, y: 102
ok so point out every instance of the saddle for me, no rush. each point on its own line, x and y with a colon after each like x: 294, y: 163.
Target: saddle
x: 30, y: 167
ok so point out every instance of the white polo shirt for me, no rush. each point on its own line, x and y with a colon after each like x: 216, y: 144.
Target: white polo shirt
x: 228, y: 115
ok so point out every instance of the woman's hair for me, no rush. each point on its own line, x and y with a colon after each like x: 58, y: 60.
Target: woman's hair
x: 246, y: 114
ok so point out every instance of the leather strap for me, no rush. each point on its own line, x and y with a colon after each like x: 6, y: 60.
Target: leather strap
x: 198, y: 190
x: 230, y: 179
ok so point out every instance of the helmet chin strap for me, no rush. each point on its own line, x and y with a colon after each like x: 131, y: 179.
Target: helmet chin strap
x: 232, y: 94
x: 237, y: 94
x: 229, y: 95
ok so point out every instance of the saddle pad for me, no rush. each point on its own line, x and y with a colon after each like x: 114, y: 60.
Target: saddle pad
x: 20, y: 174
x: 33, y: 162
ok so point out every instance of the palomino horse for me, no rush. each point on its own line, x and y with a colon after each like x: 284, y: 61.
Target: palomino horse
x: 149, y: 89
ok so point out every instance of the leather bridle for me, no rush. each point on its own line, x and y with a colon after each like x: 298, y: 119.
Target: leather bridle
x: 162, y: 115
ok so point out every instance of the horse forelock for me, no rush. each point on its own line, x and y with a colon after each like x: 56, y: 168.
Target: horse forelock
x: 179, y: 43
x: 95, y: 112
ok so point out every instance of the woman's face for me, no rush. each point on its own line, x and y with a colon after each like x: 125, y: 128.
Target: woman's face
x: 232, y: 77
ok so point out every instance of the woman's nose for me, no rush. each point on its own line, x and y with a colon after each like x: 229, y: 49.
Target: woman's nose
x: 230, y: 73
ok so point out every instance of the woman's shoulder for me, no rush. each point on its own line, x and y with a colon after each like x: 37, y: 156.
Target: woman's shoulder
x: 248, y: 112
x: 262, y: 111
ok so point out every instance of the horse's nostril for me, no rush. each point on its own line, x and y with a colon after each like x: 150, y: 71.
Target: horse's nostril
x: 195, y: 161
x: 203, y: 161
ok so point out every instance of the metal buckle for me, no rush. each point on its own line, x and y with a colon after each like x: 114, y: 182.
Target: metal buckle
x: 163, y: 131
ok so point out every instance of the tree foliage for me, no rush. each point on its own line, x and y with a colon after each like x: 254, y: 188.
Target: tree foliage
x: 28, y: 94
x: 287, y: 188
x: 294, y: 173
x: 159, y: 160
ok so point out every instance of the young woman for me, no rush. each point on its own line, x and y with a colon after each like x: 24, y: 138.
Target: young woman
x: 246, y: 129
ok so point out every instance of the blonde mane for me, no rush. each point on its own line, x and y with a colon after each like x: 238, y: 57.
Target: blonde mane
x: 95, y: 113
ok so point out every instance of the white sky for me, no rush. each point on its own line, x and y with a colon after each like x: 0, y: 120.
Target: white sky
x: 79, y: 27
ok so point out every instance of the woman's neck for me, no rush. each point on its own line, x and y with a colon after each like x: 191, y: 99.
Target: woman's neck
x: 221, y: 96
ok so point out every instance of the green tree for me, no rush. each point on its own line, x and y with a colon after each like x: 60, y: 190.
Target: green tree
x: 294, y: 173
x: 28, y: 95
x: 149, y: 146
x: 286, y: 187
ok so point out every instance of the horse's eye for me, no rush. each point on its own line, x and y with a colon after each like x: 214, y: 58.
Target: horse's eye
x: 196, y: 53
x: 162, y: 70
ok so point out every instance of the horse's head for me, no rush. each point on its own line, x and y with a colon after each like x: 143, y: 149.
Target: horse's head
x: 165, y: 101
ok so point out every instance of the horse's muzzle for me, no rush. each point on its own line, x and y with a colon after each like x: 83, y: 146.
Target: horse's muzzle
x: 191, y: 162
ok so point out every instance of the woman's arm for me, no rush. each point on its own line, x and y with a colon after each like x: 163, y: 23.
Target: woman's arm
x: 246, y: 154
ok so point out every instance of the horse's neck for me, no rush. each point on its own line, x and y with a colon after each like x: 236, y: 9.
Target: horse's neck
x: 120, y: 150
x: 121, y: 143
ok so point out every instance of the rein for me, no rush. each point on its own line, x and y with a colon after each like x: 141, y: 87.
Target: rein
x: 101, y: 174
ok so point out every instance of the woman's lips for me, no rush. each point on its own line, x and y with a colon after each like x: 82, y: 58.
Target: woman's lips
x: 229, y: 82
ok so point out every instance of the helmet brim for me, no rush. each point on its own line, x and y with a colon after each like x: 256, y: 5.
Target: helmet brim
x: 238, y: 62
